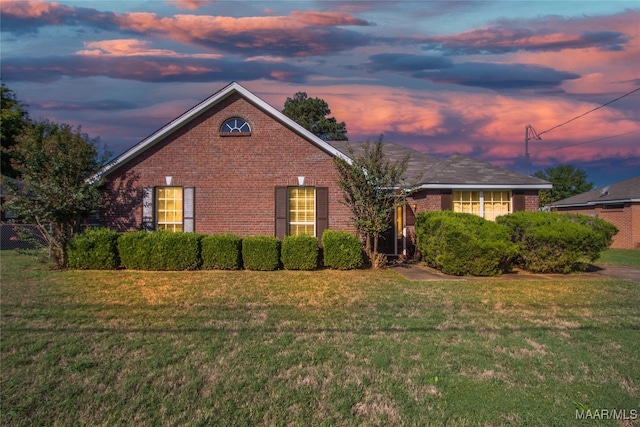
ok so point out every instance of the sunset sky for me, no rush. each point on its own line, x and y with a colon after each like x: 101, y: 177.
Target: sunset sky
x: 441, y: 77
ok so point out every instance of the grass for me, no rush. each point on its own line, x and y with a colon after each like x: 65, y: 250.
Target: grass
x: 312, y: 348
x: 627, y: 257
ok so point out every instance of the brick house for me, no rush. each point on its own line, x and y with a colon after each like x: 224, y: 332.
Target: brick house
x: 233, y: 163
x: 618, y: 204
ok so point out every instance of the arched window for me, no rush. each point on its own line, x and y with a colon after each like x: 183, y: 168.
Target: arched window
x: 235, y: 126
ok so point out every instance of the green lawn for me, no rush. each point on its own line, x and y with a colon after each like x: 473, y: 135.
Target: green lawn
x: 312, y: 348
x: 629, y: 257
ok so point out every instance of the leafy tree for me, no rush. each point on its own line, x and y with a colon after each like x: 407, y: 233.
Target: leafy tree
x: 14, y: 119
x: 55, y: 163
x: 370, y: 184
x: 567, y: 181
x: 311, y: 113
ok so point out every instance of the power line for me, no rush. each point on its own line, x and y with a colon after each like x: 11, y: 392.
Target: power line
x: 582, y: 143
x: 590, y: 111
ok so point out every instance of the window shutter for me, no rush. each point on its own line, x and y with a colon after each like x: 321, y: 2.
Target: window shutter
x: 518, y: 201
x: 322, y: 210
x: 446, y: 201
x: 188, y: 224
x: 147, y: 209
x: 281, y: 212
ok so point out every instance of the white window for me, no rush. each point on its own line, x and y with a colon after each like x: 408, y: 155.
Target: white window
x: 302, y: 210
x: 486, y: 204
x: 235, y: 126
x: 169, y: 208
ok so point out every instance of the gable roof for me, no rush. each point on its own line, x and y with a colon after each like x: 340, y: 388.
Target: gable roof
x: 460, y: 171
x: 206, y: 105
x: 620, y: 192
x: 456, y: 171
x: 418, y: 162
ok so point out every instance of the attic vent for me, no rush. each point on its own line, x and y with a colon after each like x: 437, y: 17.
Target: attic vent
x: 235, y: 126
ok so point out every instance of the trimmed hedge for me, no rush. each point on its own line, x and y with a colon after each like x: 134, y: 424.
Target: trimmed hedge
x: 222, y: 252
x: 160, y: 250
x: 132, y: 251
x: 557, y: 243
x: 261, y: 253
x: 94, y: 249
x: 341, y: 250
x: 300, y: 252
x: 464, y: 244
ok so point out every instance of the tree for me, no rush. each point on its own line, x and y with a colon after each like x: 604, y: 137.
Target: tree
x: 371, y: 184
x: 14, y: 119
x: 55, y: 163
x: 311, y: 113
x: 567, y: 181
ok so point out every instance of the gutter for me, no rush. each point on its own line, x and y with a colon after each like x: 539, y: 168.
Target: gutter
x: 594, y: 203
x: 487, y: 186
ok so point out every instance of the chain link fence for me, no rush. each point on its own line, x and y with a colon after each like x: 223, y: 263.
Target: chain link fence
x: 20, y: 236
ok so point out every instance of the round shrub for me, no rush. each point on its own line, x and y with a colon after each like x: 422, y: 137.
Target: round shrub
x: 94, y: 249
x: 261, y: 253
x: 300, y: 252
x: 222, y: 252
x: 464, y: 244
x: 557, y: 243
x: 341, y: 250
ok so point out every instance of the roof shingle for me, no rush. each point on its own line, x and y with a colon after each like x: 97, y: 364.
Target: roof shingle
x: 627, y: 190
x: 457, y: 170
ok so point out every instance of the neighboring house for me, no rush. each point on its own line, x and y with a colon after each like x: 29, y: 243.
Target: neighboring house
x: 618, y: 204
x: 235, y: 164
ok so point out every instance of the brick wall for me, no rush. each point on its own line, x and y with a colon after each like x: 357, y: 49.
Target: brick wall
x: 234, y: 176
x: 627, y: 220
x: 426, y: 200
x: 434, y: 200
x: 531, y: 201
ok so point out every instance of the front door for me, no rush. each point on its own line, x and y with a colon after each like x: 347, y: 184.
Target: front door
x: 392, y: 241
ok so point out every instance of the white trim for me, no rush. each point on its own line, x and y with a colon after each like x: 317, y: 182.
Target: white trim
x: 202, y: 107
x: 594, y: 203
x: 504, y: 187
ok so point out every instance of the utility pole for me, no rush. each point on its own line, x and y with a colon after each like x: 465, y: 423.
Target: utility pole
x: 529, y: 133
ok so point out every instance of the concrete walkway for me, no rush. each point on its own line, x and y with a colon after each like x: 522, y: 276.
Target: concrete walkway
x: 422, y: 272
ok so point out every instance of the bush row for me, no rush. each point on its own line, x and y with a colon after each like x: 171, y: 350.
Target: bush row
x: 465, y: 244
x: 107, y: 249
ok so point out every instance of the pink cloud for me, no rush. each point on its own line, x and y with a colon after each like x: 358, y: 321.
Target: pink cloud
x: 189, y: 27
x: 189, y: 4
x: 482, y: 125
x: 298, y: 34
x: 133, y: 47
x: 326, y: 18
x: 607, y: 33
x: 301, y: 33
x: 37, y: 9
